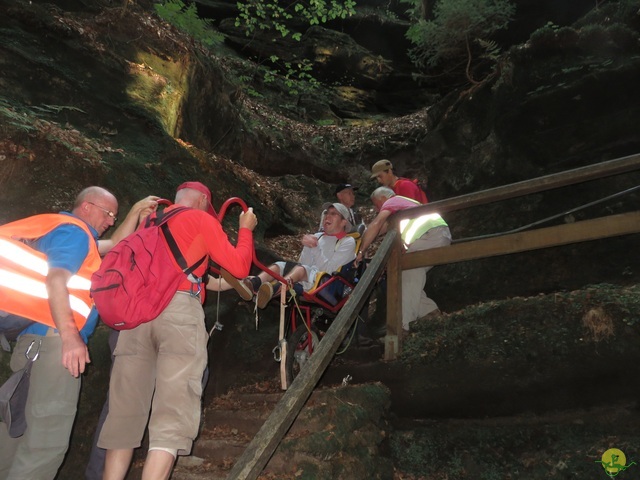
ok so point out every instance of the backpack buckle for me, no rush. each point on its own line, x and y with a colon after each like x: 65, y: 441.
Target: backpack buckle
x: 196, y: 289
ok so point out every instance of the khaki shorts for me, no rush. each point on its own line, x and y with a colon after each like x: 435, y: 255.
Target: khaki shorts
x: 158, y: 368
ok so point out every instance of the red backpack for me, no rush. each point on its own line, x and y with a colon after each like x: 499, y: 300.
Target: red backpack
x: 138, y: 277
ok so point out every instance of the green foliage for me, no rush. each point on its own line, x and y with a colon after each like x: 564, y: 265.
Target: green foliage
x: 457, y: 27
x: 623, y: 36
x: 593, y: 35
x: 34, y: 121
x: 296, y: 76
x: 551, y: 36
x: 491, y: 50
x: 185, y: 18
x: 602, y: 31
x: 593, y: 38
x: 620, y: 11
x: 245, y: 82
x: 271, y: 15
x: 600, y: 37
x: 17, y: 119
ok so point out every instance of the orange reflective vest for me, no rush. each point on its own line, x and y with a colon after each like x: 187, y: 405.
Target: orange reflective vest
x: 23, y: 270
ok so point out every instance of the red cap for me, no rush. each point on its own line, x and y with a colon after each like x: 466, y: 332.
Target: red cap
x: 200, y: 187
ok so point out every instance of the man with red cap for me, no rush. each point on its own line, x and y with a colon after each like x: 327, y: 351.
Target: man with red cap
x: 161, y: 362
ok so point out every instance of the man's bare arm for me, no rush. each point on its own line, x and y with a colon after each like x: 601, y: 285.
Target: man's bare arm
x: 75, y: 354
x: 375, y: 228
x: 138, y: 212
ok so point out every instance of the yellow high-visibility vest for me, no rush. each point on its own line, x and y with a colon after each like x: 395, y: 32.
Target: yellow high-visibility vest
x: 413, y: 228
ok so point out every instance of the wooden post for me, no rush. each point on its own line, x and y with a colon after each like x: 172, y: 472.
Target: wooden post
x: 393, y: 338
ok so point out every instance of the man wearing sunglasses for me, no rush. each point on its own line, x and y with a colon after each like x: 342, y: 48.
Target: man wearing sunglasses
x: 62, y: 315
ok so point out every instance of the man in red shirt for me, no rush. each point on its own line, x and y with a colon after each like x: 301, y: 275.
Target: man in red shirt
x: 383, y: 172
x: 162, y: 362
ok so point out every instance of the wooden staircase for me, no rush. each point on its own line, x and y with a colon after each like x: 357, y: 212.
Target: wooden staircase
x: 336, y: 435
x: 229, y: 424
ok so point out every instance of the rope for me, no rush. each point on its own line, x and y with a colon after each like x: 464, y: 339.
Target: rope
x: 553, y: 217
x: 294, y: 297
x: 353, y: 333
x: 217, y: 325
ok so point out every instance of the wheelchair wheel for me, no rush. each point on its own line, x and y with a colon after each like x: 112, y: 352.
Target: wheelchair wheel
x: 300, y: 346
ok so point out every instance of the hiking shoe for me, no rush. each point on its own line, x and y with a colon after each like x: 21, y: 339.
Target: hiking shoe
x: 247, y: 288
x: 255, y: 283
x: 243, y: 287
x: 266, y: 292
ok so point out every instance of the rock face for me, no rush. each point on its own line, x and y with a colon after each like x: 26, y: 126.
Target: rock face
x: 95, y: 94
x: 550, y: 115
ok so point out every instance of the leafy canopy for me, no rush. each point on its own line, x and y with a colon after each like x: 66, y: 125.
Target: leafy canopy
x: 186, y: 19
x: 455, y: 32
x: 274, y: 15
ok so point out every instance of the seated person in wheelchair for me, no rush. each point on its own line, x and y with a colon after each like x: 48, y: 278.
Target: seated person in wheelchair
x: 322, y: 252
x: 345, y: 192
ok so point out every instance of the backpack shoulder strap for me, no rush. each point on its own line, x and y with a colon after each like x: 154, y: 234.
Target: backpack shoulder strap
x: 160, y: 220
x: 163, y: 217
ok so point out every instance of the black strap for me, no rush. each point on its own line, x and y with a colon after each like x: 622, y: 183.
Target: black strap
x: 173, y: 246
x: 160, y: 220
x: 162, y: 216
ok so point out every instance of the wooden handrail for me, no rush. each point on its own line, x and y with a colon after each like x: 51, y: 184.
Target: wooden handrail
x: 586, y: 230
x: 261, y: 448
x: 510, y: 243
x: 526, y: 187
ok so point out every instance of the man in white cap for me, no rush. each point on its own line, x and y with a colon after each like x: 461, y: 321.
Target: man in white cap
x: 325, y: 251
x: 345, y: 192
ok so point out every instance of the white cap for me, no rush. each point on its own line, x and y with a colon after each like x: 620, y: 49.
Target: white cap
x: 342, y: 210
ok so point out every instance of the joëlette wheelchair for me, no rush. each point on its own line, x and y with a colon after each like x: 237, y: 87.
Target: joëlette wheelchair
x: 310, y: 313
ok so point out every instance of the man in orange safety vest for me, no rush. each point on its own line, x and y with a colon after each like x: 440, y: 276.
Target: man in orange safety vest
x: 46, y: 262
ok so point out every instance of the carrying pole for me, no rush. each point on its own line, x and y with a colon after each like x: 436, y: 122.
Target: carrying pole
x: 282, y: 340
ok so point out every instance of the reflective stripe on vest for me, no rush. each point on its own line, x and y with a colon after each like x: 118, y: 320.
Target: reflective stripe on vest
x: 23, y: 271
x: 414, y: 228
